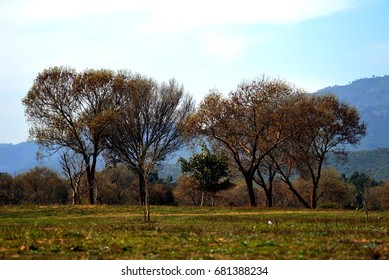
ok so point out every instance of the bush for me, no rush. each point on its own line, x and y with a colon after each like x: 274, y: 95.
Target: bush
x: 42, y: 185
x: 187, y: 193
x: 378, y: 197
x: 117, y: 185
x: 234, y: 197
x: 161, y: 194
x: 8, y: 193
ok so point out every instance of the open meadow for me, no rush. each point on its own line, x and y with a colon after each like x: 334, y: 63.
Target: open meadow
x: 118, y: 232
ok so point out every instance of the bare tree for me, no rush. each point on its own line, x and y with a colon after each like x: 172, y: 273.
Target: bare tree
x: 72, y: 110
x: 147, y: 128
x: 73, y: 167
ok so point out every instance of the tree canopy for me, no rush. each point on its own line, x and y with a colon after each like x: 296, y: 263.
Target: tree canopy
x: 147, y: 128
x: 67, y: 109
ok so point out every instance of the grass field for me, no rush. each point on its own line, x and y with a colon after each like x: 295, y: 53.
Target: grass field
x: 118, y: 232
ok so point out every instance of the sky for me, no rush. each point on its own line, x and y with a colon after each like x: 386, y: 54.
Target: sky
x: 203, y: 44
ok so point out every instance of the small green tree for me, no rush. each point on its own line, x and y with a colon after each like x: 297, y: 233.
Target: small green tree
x: 361, y: 182
x: 210, y: 171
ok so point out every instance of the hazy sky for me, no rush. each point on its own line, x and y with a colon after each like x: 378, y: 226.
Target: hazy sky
x: 202, y: 44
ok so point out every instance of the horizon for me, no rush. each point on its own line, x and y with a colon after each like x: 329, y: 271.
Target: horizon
x: 202, y: 44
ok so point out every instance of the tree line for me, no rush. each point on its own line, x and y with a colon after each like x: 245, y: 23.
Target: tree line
x: 119, y: 185
x: 114, y: 186
x: 268, y: 130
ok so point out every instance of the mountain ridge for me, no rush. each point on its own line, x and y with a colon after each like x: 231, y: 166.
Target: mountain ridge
x: 371, y: 97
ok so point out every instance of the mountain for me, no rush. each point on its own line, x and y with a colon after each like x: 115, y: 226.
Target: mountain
x: 375, y: 163
x: 19, y: 158
x: 371, y: 97
x: 15, y: 159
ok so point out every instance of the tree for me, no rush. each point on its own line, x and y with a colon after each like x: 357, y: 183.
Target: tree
x: 66, y: 109
x: 361, y: 182
x: 187, y: 192
x: 42, y: 185
x: 247, y: 125
x: 147, y: 128
x: 73, y: 167
x: 8, y: 196
x: 326, y: 126
x: 117, y: 185
x: 334, y: 192
x: 210, y: 171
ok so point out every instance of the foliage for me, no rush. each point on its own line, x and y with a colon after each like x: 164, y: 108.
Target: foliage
x: 180, y: 233
x: 236, y: 196
x: 268, y: 126
x: 210, y: 171
x: 41, y: 186
x: 379, y: 197
x: 187, y: 192
x: 8, y: 193
x: 66, y: 109
x: 333, y: 191
x: 361, y: 182
x: 326, y: 126
x: 162, y: 194
x: 117, y: 185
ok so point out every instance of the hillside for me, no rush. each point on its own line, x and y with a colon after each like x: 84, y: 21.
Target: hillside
x: 374, y: 163
x: 21, y: 157
x: 371, y: 97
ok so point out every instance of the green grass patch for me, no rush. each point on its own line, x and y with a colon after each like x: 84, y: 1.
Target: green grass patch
x: 118, y: 232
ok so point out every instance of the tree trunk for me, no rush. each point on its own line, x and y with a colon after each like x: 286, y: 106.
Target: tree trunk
x: 315, y: 182
x: 91, y: 185
x: 268, y: 189
x: 147, y: 205
x: 313, y: 197
x: 213, y: 199
x: 74, y: 198
x: 250, y: 189
x: 142, y: 194
x: 90, y: 174
x: 269, y: 195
